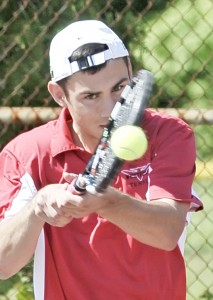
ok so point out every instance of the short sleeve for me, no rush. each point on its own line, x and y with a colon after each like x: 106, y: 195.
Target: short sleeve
x: 173, y: 161
x: 14, y: 184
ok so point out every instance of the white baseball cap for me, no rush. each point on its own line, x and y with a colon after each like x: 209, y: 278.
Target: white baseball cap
x: 78, y: 34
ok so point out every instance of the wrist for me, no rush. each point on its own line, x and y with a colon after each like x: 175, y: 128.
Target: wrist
x: 34, y: 210
x: 113, y: 199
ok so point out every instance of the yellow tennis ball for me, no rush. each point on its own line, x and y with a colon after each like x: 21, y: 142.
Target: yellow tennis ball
x: 128, y: 142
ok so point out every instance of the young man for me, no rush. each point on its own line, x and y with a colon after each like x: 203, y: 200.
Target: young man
x: 123, y: 243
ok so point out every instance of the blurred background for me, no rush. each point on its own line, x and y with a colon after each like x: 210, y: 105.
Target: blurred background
x: 173, y: 39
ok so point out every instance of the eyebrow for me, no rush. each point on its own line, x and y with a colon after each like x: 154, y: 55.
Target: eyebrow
x: 99, y: 92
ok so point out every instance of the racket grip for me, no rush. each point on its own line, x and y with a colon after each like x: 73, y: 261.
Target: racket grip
x: 77, y: 186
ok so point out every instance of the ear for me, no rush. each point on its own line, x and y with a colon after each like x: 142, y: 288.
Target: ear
x: 57, y: 93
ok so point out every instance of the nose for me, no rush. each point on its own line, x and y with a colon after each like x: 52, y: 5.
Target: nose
x: 107, y: 106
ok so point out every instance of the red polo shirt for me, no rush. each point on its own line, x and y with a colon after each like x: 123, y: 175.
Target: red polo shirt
x: 90, y: 258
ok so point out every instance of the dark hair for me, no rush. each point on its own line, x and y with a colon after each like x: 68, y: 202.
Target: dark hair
x: 84, y: 51
x: 87, y: 50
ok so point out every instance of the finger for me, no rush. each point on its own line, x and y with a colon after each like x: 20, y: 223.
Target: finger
x: 69, y: 176
x: 52, y: 217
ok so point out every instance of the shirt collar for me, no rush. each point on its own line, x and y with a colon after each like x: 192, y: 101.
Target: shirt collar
x: 61, y: 140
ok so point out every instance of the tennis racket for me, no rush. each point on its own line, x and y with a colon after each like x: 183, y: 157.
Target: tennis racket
x: 104, y: 165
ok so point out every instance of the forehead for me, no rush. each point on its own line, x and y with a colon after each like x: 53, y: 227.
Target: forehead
x: 108, y: 76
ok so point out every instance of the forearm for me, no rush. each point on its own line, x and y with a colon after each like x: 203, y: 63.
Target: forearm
x: 156, y: 223
x: 19, y: 235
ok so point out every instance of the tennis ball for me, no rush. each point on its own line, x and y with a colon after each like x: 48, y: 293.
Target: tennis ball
x: 128, y: 142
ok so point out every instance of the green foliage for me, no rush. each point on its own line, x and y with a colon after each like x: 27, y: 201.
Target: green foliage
x: 203, y: 134
x: 30, y: 28
x: 174, y: 41
x: 207, y: 296
x: 6, y: 285
x: 179, y: 43
x: 18, y: 286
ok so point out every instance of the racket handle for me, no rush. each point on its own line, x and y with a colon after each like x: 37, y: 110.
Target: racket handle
x: 77, y: 186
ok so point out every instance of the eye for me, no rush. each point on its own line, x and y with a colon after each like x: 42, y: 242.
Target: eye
x: 120, y: 87
x: 91, y: 96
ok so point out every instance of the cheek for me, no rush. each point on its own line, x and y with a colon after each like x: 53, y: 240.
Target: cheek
x: 87, y: 109
x: 83, y: 115
x: 82, y: 111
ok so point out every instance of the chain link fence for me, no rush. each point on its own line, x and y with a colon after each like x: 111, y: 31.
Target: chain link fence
x: 173, y: 39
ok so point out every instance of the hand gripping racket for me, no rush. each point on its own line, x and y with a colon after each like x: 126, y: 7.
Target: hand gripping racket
x: 104, y: 165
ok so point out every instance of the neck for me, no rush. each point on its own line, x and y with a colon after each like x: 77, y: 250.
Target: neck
x: 81, y: 141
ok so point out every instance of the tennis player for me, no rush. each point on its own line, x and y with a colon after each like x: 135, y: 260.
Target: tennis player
x: 126, y: 243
